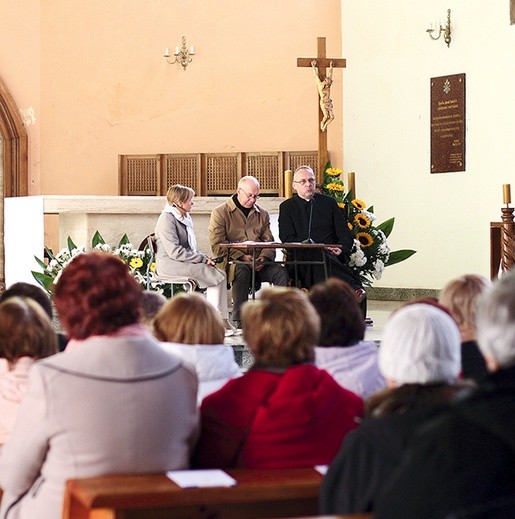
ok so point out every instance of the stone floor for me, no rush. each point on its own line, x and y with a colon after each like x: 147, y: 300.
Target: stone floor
x: 378, y: 311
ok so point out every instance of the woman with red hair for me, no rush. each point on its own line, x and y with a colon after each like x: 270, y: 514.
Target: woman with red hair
x: 113, y: 402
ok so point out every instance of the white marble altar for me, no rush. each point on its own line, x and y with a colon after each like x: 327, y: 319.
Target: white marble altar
x: 80, y: 216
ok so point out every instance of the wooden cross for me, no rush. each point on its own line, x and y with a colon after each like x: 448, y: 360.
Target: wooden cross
x: 322, y: 62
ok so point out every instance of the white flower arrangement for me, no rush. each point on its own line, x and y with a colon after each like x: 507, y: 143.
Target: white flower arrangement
x: 140, y: 262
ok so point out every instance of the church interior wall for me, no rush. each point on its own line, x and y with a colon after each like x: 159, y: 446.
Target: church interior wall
x: 105, y: 89
x: 390, y: 60
x: 20, y: 69
x: 95, y: 78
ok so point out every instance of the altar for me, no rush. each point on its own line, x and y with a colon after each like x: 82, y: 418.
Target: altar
x: 27, y: 219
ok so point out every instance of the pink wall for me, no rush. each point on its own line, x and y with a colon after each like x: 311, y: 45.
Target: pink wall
x: 20, y: 69
x: 95, y: 75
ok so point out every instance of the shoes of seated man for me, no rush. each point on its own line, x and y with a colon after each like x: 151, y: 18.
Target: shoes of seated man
x: 230, y: 329
x: 360, y: 294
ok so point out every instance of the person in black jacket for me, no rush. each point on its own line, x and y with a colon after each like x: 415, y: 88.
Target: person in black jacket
x: 462, y: 464
x: 419, y: 357
x: 311, y: 217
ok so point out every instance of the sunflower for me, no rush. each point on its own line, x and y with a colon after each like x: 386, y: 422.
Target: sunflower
x: 136, y: 263
x: 359, y: 204
x: 365, y: 239
x: 341, y: 205
x: 333, y: 186
x: 333, y: 172
x: 362, y: 221
x: 349, y: 225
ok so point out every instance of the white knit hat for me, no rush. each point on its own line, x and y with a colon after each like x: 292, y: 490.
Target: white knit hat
x: 421, y: 344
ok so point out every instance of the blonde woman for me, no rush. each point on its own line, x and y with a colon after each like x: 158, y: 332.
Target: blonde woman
x: 191, y: 328
x: 177, y: 253
x: 460, y: 297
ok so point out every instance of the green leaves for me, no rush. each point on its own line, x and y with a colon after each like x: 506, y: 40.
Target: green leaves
x: 97, y: 240
x: 399, y: 255
x: 386, y: 227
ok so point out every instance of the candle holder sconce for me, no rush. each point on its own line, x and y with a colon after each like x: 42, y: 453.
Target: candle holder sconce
x: 445, y: 30
x: 183, y: 55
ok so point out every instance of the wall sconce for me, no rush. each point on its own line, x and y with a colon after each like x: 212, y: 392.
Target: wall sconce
x: 183, y: 55
x: 446, y: 30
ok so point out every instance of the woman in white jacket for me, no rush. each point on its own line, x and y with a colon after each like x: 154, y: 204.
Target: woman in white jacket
x: 190, y: 327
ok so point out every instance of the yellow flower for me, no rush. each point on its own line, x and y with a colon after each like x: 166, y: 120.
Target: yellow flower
x: 136, y: 263
x: 333, y: 172
x: 335, y: 187
x: 341, y: 205
x: 359, y: 204
x: 153, y: 266
x: 349, y: 225
x: 365, y: 239
x: 362, y: 221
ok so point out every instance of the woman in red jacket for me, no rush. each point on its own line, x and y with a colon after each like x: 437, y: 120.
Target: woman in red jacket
x: 284, y: 412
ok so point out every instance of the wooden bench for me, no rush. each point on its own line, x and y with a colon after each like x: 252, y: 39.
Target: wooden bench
x: 258, y: 494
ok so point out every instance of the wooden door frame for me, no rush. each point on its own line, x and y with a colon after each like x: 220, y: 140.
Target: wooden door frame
x: 15, y: 142
x: 15, y: 158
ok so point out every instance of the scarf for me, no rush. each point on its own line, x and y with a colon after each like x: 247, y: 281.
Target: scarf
x: 186, y: 221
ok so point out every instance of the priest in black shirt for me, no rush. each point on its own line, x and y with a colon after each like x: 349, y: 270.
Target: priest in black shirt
x: 311, y: 217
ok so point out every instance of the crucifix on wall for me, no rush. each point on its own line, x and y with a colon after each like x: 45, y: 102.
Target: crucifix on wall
x: 324, y: 80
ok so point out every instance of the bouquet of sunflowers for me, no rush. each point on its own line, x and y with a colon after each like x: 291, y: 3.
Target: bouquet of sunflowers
x: 370, y: 253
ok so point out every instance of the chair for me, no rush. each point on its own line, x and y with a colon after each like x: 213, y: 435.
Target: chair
x: 188, y: 284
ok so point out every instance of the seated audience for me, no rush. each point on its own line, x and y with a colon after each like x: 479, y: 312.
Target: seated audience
x: 26, y: 334
x: 283, y: 412
x: 460, y: 296
x: 36, y: 293
x: 419, y: 356
x: 341, y: 349
x: 190, y: 327
x: 113, y: 402
x: 151, y: 304
x: 462, y: 463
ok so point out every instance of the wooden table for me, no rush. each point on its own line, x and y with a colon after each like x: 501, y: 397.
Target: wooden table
x: 251, y: 247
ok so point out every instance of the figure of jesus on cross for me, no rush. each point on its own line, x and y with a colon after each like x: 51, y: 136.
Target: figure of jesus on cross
x: 324, y: 82
x: 324, y: 90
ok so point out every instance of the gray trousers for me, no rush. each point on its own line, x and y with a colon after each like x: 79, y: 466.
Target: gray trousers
x: 274, y: 274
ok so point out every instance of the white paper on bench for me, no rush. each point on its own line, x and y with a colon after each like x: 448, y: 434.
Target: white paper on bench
x: 201, y: 478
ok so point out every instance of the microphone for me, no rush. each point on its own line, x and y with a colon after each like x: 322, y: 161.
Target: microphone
x: 310, y: 222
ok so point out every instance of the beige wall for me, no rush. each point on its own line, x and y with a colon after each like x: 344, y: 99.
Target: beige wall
x: 95, y: 74
x: 445, y: 217
x: 20, y: 69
